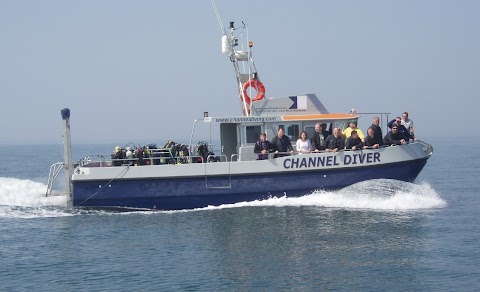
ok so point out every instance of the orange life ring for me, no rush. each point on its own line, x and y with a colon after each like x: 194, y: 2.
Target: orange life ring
x: 258, y: 86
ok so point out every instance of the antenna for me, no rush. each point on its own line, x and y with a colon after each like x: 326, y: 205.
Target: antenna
x: 220, y: 22
x: 246, y: 75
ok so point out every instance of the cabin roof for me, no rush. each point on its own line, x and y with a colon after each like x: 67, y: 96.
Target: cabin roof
x: 280, y: 118
x: 320, y: 117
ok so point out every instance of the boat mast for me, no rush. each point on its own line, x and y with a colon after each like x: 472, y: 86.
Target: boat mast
x: 247, y: 73
x: 67, y: 154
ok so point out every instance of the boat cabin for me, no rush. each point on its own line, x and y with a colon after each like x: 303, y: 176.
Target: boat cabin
x: 294, y: 114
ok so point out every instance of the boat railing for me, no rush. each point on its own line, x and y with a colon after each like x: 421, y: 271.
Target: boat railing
x: 427, y: 147
x: 272, y: 155
x: 95, y: 160
x: 217, y: 158
x: 100, y: 161
x: 163, y: 156
x: 54, y: 171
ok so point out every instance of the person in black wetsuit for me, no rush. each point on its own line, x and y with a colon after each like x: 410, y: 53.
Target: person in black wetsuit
x: 281, y: 143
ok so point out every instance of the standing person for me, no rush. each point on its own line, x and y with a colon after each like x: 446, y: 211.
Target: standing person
x: 376, y: 127
x: 117, y: 155
x: 129, y: 156
x: 353, y: 126
x: 281, y: 143
x: 353, y: 142
x: 318, y: 138
x: 407, y: 123
x: 263, y: 147
x: 401, y: 128
x: 372, y: 141
x: 324, y: 130
x: 335, y: 142
x: 303, y: 144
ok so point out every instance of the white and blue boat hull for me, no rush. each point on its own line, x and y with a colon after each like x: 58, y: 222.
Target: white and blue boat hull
x: 173, y: 187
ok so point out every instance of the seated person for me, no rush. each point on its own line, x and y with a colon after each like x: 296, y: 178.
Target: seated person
x: 335, y: 142
x: 394, y: 137
x: 372, y: 140
x: 263, y: 147
x: 353, y: 126
x: 303, y: 144
x: 354, y: 142
x: 401, y: 128
x: 281, y: 143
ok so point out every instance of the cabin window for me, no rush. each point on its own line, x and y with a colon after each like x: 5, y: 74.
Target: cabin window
x: 341, y: 124
x: 253, y: 133
x: 310, y: 131
x: 329, y: 128
x: 291, y: 130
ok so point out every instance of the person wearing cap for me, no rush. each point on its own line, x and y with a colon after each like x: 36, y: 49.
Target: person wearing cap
x: 394, y: 137
x: 401, y: 128
x: 353, y: 126
x: 353, y: 142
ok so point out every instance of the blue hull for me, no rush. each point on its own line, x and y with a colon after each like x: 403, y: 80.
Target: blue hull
x: 189, y: 193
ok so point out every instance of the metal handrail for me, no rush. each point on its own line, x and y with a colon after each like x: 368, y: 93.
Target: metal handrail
x: 52, y: 175
x: 188, y: 159
x: 427, y: 147
x: 213, y: 156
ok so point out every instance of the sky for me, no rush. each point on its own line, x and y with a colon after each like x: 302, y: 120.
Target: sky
x: 142, y: 71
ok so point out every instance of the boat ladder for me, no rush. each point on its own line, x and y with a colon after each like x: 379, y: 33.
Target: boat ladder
x: 54, y: 171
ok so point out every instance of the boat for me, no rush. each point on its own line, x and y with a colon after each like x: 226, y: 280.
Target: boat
x: 165, y: 178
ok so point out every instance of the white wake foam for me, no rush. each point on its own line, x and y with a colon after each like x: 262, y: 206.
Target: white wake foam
x: 24, y: 192
x: 34, y: 212
x: 379, y: 194
x: 26, y: 199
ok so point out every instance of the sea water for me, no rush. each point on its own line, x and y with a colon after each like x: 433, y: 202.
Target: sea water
x: 379, y: 235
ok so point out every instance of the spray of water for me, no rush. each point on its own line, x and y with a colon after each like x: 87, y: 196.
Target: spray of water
x: 381, y: 194
x: 26, y: 199
x: 18, y: 192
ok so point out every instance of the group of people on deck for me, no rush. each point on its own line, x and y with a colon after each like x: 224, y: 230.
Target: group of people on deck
x: 351, y: 138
